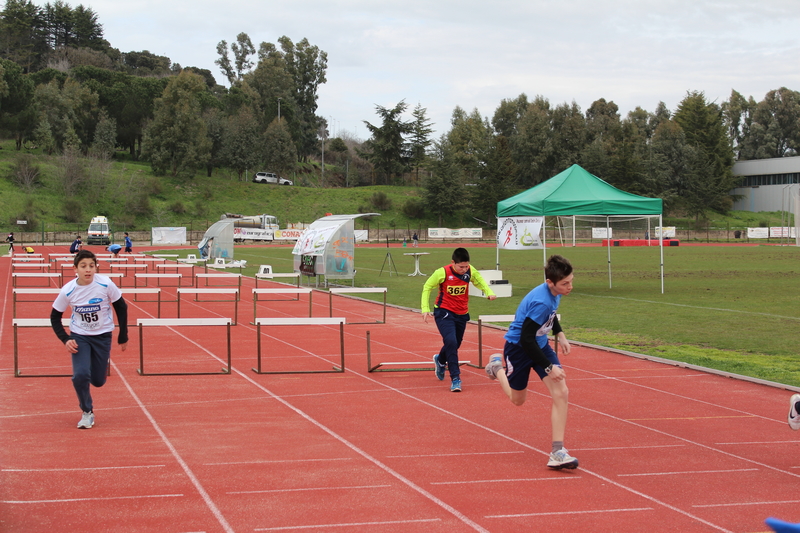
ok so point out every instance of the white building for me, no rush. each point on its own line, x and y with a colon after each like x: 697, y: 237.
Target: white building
x: 767, y: 184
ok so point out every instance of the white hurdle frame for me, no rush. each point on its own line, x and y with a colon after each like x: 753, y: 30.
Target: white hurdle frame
x: 301, y: 322
x: 357, y: 290
x: 197, y: 292
x: 404, y: 366
x: 287, y: 290
x: 48, y: 275
x: 32, y: 290
x: 136, y: 291
x: 207, y: 277
x: 295, y: 275
x: 34, y: 323
x: 176, y: 322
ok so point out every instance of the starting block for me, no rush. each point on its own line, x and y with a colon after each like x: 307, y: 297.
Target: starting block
x: 301, y: 322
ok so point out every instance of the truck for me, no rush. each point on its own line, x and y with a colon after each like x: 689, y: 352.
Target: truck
x: 255, y: 228
x: 98, y: 232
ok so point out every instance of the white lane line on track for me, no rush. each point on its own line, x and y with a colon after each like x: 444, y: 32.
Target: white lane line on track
x: 746, y: 503
x: 572, y: 512
x: 351, y: 524
x: 66, y: 500
x: 690, y: 472
x: 279, y: 461
x: 86, y: 469
x: 627, y: 448
x: 304, y: 489
x: 504, y: 480
x: 450, y: 454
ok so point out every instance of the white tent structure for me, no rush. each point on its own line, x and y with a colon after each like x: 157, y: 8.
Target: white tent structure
x: 217, y: 241
x: 327, y: 247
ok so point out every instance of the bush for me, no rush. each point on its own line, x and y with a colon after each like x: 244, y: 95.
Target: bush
x: 414, y: 208
x: 24, y: 173
x: 380, y: 201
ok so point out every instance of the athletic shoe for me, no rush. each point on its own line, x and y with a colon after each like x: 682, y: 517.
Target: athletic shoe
x: 455, y: 386
x: 87, y: 421
x: 439, y: 369
x: 794, y: 416
x: 494, y: 366
x: 562, y: 459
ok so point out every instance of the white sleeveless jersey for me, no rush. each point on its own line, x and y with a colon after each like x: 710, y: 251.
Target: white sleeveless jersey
x: 92, y: 312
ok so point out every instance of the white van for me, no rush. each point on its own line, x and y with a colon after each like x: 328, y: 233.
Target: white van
x: 98, y: 232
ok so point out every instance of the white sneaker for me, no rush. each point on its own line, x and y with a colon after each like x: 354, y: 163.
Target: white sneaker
x: 794, y: 416
x: 87, y: 421
x: 562, y: 459
x: 494, y: 365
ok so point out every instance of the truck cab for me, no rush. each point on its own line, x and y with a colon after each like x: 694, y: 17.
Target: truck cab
x: 98, y: 232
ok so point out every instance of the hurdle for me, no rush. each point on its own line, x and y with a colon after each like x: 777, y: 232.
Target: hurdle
x: 31, y: 291
x: 269, y: 276
x: 207, y: 277
x: 36, y: 275
x: 158, y: 277
x: 358, y: 290
x: 33, y: 323
x: 177, y: 322
x: 198, y: 292
x: 42, y: 266
x: 300, y: 322
x: 165, y: 256
x: 127, y: 267
x: 401, y: 366
x: 289, y: 290
x: 488, y: 318
x: 137, y: 291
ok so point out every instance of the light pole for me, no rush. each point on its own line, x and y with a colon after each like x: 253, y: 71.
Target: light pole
x: 279, y: 110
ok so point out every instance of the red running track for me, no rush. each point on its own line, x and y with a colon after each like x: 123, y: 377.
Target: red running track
x: 662, y: 448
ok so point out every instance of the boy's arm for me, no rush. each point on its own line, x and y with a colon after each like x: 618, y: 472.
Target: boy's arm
x: 479, y: 282
x: 432, y: 282
x: 121, y: 308
x: 58, y: 327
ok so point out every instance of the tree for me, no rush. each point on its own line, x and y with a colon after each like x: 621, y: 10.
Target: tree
x: 737, y: 113
x: 703, y: 126
x: 387, y: 149
x: 497, y: 183
x: 105, y: 137
x: 444, y: 188
x: 22, y: 34
x: 242, y: 50
x: 70, y: 110
x: 508, y: 114
x: 775, y: 127
x: 279, y: 153
x: 530, y: 145
x: 469, y: 139
x: 419, y: 139
x: 16, y: 103
x: 242, y: 142
x: 176, y: 140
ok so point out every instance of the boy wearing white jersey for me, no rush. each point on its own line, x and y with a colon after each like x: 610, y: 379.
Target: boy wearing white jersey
x: 91, y: 297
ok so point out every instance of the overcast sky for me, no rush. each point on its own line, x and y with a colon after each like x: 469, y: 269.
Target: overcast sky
x: 442, y: 53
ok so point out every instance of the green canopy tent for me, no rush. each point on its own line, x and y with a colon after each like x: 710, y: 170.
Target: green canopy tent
x: 576, y: 191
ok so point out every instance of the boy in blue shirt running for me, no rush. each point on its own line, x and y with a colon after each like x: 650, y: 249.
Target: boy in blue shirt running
x: 527, y: 348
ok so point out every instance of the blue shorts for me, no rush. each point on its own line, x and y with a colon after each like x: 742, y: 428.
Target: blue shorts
x: 518, y: 364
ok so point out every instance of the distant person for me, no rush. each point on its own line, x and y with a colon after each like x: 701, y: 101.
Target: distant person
x: 128, y: 243
x: 415, y: 240
x: 114, y: 249
x: 527, y: 349
x: 28, y: 250
x: 451, y: 310
x: 76, y: 245
x: 10, y: 241
x: 91, y: 297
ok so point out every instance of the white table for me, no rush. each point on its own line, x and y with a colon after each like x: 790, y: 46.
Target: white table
x: 416, y: 262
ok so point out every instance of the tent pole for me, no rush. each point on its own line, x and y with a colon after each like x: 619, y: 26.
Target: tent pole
x: 661, y: 245
x: 608, y: 240
x: 573, y: 231
x: 544, y: 246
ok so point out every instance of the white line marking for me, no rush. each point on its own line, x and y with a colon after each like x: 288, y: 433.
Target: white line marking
x: 308, y: 489
x: 746, y: 503
x: 570, y: 512
x: 353, y: 524
x: 450, y: 454
x: 279, y: 461
x: 627, y: 447
x: 690, y: 472
x: 504, y: 480
x: 102, y: 499
x: 78, y: 469
x: 768, y: 442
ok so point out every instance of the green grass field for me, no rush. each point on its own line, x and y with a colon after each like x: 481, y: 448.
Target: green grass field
x: 733, y: 308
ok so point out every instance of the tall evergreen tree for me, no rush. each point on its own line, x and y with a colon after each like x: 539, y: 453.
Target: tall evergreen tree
x: 387, y: 148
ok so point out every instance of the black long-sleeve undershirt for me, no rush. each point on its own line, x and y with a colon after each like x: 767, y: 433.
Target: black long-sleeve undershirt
x: 120, y: 307
x: 528, y: 342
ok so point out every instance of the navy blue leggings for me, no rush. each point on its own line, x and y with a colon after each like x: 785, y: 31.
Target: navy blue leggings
x: 451, y: 327
x: 90, y: 365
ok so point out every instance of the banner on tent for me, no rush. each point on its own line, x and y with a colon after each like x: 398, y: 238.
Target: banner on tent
x: 460, y: 233
x: 288, y: 234
x: 519, y: 233
x: 168, y: 235
x: 669, y: 232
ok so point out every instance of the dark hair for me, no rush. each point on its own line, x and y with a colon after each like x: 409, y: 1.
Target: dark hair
x: 557, y: 268
x: 84, y: 254
x: 460, y: 255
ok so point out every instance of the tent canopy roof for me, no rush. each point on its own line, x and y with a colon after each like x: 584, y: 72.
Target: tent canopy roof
x: 575, y: 191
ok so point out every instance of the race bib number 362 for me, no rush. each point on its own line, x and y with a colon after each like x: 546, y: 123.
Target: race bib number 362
x: 457, y: 290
